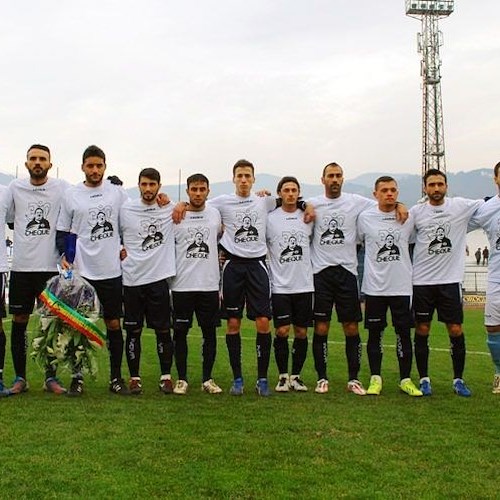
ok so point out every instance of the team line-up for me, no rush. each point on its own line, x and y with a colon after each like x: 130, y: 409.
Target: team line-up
x: 271, y: 257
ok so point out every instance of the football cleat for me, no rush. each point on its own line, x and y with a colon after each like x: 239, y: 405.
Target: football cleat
x: 211, y: 387
x: 118, y: 386
x: 356, y: 387
x: 425, y: 386
x: 166, y: 386
x: 321, y: 386
x: 262, y: 387
x: 135, y: 386
x: 283, y: 383
x: 76, y: 387
x: 406, y: 385
x: 296, y: 384
x: 237, y: 387
x: 375, y: 387
x: 52, y: 384
x: 496, y: 384
x: 460, y: 388
x: 181, y: 387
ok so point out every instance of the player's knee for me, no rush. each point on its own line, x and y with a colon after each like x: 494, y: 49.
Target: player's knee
x: 300, y: 332
x: 283, y: 331
x: 233, y: 325
x: 454, y: 329
x: 21, y: 318
x: 350, y: 329
x: 423, y: 329
x: 321, y: 327
x: 262, y: 324
x: 112, y: 324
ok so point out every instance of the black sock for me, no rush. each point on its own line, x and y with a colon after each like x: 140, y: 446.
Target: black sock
x: 422, y: 354
x: 458, y: 355
x: 115, y: 347
x: 208, y: 351
x: 263, y: 348
x: 233, y: 343
x: 181, y: 353
x: 165, y: 350
x: 281, y: 353
x: 133, y: 351
x: 353, y: 355
x: 18, y: 346
x: 374, y: 350
x: 299, y: 353
x: 3, y: 342
x: 320, y: 354
x: 404, y: 352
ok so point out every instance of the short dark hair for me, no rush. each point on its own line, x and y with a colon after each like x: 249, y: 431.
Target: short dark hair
x: 150, y: 173
x: 332, y: 164
x: 243, y: 163
x: 496, y: 169
x: 93, y: 151
x: 434, y: 171
x: 38, y: 146
x: 197, y: 178
x: 284, y: 180
x: 384, y: 178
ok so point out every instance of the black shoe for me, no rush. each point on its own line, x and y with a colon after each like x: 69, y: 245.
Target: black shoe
x: 118, y: 386
x: 76, y: 387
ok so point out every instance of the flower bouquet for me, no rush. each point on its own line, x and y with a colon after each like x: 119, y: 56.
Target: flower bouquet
x: 66, y: 334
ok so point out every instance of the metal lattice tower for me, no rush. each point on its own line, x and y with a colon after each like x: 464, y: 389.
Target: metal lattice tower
x: 429, y: 40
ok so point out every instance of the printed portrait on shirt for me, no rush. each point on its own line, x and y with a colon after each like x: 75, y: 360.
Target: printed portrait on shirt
x: 197, y: 243
x: 389, y: 250
x: 150, y: 233
x: 99, y: 220
x: 38, y: 223
x: 438, y: 234
x: 246, y: 227
x: 331, y: 230
x: 291, y: 244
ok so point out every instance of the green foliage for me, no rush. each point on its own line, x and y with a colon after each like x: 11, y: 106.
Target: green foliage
x: 289, y: 445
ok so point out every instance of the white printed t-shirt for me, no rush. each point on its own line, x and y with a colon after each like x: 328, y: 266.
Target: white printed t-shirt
x: 288, y: 240
x: 244, y: 221
x: 196, y: 252
x: 439, y: 256
x: 335, y: 233
x: 148, y: 238
x: 387, y: 269
x: 92, y: 213
x: 34, y: 211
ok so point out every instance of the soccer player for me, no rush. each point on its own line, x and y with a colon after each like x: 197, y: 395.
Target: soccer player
x: 288, y: 240
x: 148, y: 260
x: 387, y: 283
x: 195, y: 287
x: 34, y: 208
x: 334, y: 263
x: 97, y: 252
x: 245, y: 278
x: 488, y: 217
x: 438, y: 268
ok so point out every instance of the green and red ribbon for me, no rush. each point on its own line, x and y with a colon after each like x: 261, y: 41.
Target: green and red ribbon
x: 72, y: 318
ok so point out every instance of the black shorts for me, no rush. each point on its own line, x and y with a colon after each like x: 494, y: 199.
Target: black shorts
x: 204, y: 304
x: 150, y: 301
x: 245, y: 282
x: 292, y: 309
x: 376, y: 311
x: 109, y: 292
x: 336, y: 285
x: 24, y: 288
x: 447, y: 299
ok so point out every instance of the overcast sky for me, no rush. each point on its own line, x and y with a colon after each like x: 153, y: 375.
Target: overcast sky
x: 195, y: 85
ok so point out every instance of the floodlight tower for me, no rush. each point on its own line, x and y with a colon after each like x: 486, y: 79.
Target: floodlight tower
x: 429, y: 40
